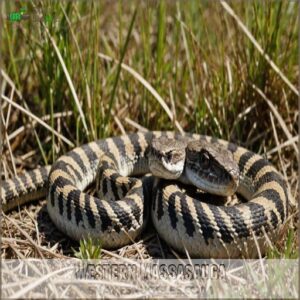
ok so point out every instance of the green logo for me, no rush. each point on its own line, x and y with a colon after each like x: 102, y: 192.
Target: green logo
x: 16, y: 16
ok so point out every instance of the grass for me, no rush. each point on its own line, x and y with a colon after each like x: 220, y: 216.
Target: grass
x: 228, y: 70
x: 88, y: 249
x: 288, y: 250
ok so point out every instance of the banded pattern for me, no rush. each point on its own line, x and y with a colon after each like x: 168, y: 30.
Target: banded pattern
x: 204, y: 230
x: 26, y: 187
x: 225, y: 231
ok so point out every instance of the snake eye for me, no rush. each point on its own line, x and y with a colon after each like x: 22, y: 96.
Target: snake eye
x: 168, y: 155
x: 204, y: 159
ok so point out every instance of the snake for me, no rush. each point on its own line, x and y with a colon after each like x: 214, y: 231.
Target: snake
x: 120, y: 211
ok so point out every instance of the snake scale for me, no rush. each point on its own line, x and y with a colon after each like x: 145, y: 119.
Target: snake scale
x: 187, y: 224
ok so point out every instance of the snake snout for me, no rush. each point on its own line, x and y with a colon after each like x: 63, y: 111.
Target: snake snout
x: 164, y: 169
x: 167, y: 157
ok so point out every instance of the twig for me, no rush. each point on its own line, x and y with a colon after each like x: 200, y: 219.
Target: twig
x: 283, y: 145
x: 44, y: 118
x: 136, y: 125
x: 38, y: 120
x: 278, y: 117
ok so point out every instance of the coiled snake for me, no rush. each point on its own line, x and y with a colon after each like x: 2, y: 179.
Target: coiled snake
x: 187, y: 224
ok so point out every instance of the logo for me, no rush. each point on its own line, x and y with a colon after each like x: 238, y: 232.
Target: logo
x: 21, y: 15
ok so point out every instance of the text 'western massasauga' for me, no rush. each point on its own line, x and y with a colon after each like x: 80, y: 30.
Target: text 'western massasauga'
x: 186, y: 162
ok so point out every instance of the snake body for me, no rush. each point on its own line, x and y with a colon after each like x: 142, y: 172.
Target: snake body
x: 201, y: 229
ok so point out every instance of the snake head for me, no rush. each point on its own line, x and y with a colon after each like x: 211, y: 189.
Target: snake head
x: 211, y: 168
x: 167, y: 157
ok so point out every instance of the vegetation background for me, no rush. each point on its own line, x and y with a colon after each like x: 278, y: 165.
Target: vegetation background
x: 76, y: 71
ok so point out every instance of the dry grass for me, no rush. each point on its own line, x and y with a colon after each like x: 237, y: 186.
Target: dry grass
x: 67, y: 279
x: 225, y: 69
